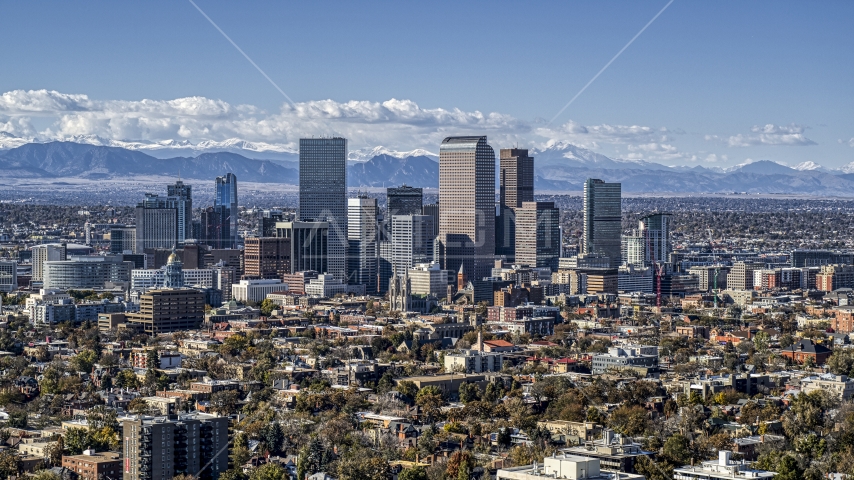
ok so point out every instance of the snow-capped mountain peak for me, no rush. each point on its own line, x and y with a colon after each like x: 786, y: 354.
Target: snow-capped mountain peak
x: 808, y: 166
x: 365, y: 154
x: 7, y: 141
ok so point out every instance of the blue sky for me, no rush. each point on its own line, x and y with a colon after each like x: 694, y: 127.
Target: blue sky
x: 708, y: 83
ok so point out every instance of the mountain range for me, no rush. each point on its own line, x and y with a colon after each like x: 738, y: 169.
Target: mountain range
x: 559, y: 168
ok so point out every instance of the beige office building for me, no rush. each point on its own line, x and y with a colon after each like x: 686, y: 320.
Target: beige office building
x: 467, y: 209
x: 169, y: 310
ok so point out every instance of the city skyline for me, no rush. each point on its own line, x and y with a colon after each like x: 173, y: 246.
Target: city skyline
x: 728, y: 95
x: 407, y: 284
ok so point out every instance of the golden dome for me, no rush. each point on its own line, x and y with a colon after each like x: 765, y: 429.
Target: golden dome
x: 173, y: 258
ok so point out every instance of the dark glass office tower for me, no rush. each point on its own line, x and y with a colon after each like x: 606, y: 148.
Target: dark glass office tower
x: 602, y: 220
x: 404, y: 200
x: 226, y: 197
x: 516, y: 182
x: 323, y: 194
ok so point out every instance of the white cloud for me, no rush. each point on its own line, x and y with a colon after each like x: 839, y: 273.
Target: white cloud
x: 715, y: 158
x: 198, y: 119
x: 594, y: 136
x: 400, y: 124
x: 850, y: 141
x: 778, y: 135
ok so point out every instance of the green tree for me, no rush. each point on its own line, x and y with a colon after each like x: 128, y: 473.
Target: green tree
x: 430, y: 400
x: 761, y: 341
x: 503, y: 438
x: 494, y: 391
x: 104, y: 439
x: 269, y: 471
x: 629, y: 420
x: 594, y: 415
x: 807, y: 413
x: 45, y: 475
x: 225, y: 402
x: 677, y: 450
x: 17, y: 419
x: 652, y: 470
x: 363, y: 466
x: 789, y: 469
x: 100, y: 416
x: 83, y: 361
x: 841, y: 362
x: 312, y: 458
x: 139, y: 406
x: 233, y: 474
x: 267, y: 307
x: 152, y: 359
x: 274, y: 437
x: 10, y: 463
x: 414, y: 473
x: 234, y: 345
x: 127, y: 379
x: 240, y: 453
x: 407, y: 388
x: 53, y: 453
x: 427, y: 443
x: 76, y: 440
x: 469, y: 392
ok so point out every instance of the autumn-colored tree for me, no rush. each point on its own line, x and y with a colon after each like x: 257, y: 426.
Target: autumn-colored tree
x: 629, y: 420
x: 460, y: 465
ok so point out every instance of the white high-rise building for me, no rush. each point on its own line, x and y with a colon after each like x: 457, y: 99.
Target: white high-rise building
x: 411, y: 240
x: 323, y: 194
x: 428, y: 279
x: 362, y: 240
x: 49, y: 252
x: 256, y: 290
x: 83, y: 272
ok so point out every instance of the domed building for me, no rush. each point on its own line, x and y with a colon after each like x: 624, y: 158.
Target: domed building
x: 174, y: 277
x: 171, y: 308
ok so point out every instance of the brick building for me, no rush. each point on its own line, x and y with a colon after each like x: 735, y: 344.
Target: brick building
x: 267, y: 257
x: 799, y: 352
x: 94, y: 466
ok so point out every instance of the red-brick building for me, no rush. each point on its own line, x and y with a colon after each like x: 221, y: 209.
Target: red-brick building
x: 799, y: 352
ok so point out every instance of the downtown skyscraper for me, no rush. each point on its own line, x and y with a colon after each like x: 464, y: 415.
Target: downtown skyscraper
x: 323, y: 194
x: 180, y: 197
x: 537, y: 235
x: 226, y: 198
x: 362, y: 236
x: 404, y: 200
x: 603, y: 220
x: 467, y: 209
x: 516, y: 185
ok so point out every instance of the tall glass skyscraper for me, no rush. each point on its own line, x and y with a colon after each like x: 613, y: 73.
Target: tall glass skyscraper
x: 362, y: 237
x: 537, y: 235
x: 323, y: 194
x: 467, y: 209
x: 603, y: 220
x: 516, y: 182
x: 226, y: 197
x: 157, y: 223
x: 404, y: 200
x: 180, y: 197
